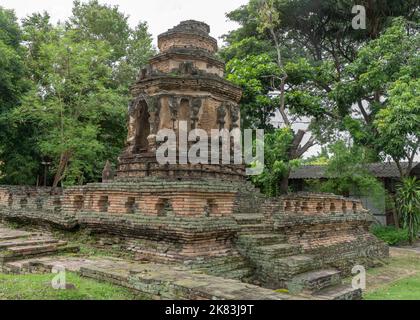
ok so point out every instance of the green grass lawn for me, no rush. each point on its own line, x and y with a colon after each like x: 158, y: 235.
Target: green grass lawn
x: 38, y: 287
x: 404, y: 289
x: 398, y: 280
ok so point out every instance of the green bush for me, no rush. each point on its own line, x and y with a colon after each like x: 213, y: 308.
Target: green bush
x: 391, y: 235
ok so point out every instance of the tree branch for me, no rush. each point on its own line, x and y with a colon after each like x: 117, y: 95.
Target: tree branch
x: 301, y: 151
x: 363, y: 111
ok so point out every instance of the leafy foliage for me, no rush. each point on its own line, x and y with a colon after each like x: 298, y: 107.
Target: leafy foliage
x: 74, y: 80
x: 398, y: 122
x: 390, y: 235
x: 408, y: 205
x: 347, y: 173
x: 346, y: 81
x: 383, y: 80
x: 252, y: 74
x: 16, y: 164
x: 277, y: 163
x: 129, y: 48
x: 71, y: 108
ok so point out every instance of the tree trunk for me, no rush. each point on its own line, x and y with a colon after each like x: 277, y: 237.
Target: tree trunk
x: 396, y: 218
x: 284, y: 183
x: 62, y: 166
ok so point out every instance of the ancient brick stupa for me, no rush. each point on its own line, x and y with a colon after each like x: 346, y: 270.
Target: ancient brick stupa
x: 182, y: 210
x: 206, y: 216
x: 182, y: 83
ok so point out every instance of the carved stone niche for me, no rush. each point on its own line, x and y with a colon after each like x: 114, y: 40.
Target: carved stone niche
x: 184, y: 108
x: 142, y: 124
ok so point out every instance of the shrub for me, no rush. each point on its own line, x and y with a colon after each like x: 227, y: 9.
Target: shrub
x: 408, y: 205
x: 391, y: 235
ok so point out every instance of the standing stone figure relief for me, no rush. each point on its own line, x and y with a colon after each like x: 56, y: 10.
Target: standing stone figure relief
x: 195, y: 108
x: 187, y: 68
x: 154, y: 107
x: 221, y: 114
x: 133, y: 114
x: 138, y: 125
x: 234, y: 116
x: 173, y: 109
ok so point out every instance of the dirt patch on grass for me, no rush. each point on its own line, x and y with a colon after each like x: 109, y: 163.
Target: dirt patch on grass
x: 403, y: 264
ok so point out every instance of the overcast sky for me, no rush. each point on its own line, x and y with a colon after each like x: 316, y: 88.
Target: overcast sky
x: 160, y: 14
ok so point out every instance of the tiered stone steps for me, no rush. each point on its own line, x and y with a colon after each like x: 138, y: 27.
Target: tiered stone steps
x: 314, y: 281
x: 296, y: 264
x: 233, y: 266
x: 283, y: 265
x: 171, y: 282
x: 16, y: 234
x: 252, y: 223
x: 261, y: 239
x: 279, y: 264
x: 323, y: 284
x: 18, y: 245
x: 153, y: 281
x: 339, y: 292
x: 25, y: 243
x: 279, y: 250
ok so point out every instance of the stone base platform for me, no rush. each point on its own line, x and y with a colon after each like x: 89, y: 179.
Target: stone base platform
x: 154, y: 281
x: 304, y: 243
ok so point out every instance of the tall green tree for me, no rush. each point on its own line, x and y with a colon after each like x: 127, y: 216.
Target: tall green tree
x: 254, y: 74
x: 383, y: 83
x: 130, y: 47
x: 18, y: 157
x: 326, y: 71
x: 74, y: 108
x: 398, y: 123
x: 71, y: 105
x: 265, y: 79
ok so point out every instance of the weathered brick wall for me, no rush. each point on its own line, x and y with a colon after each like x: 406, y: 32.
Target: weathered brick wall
x: 313, y: 204
x: 333, y: 229
x: 187, y: 41
x: 249, y: 199
x: 166, y: 238
x: 172, y: 221
x: 35, y: 204
x: 173, y: 64
x: 154, y: 197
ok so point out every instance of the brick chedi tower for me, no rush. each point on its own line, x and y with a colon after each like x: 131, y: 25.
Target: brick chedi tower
x: 180, y: 211
x: 182, y: 83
